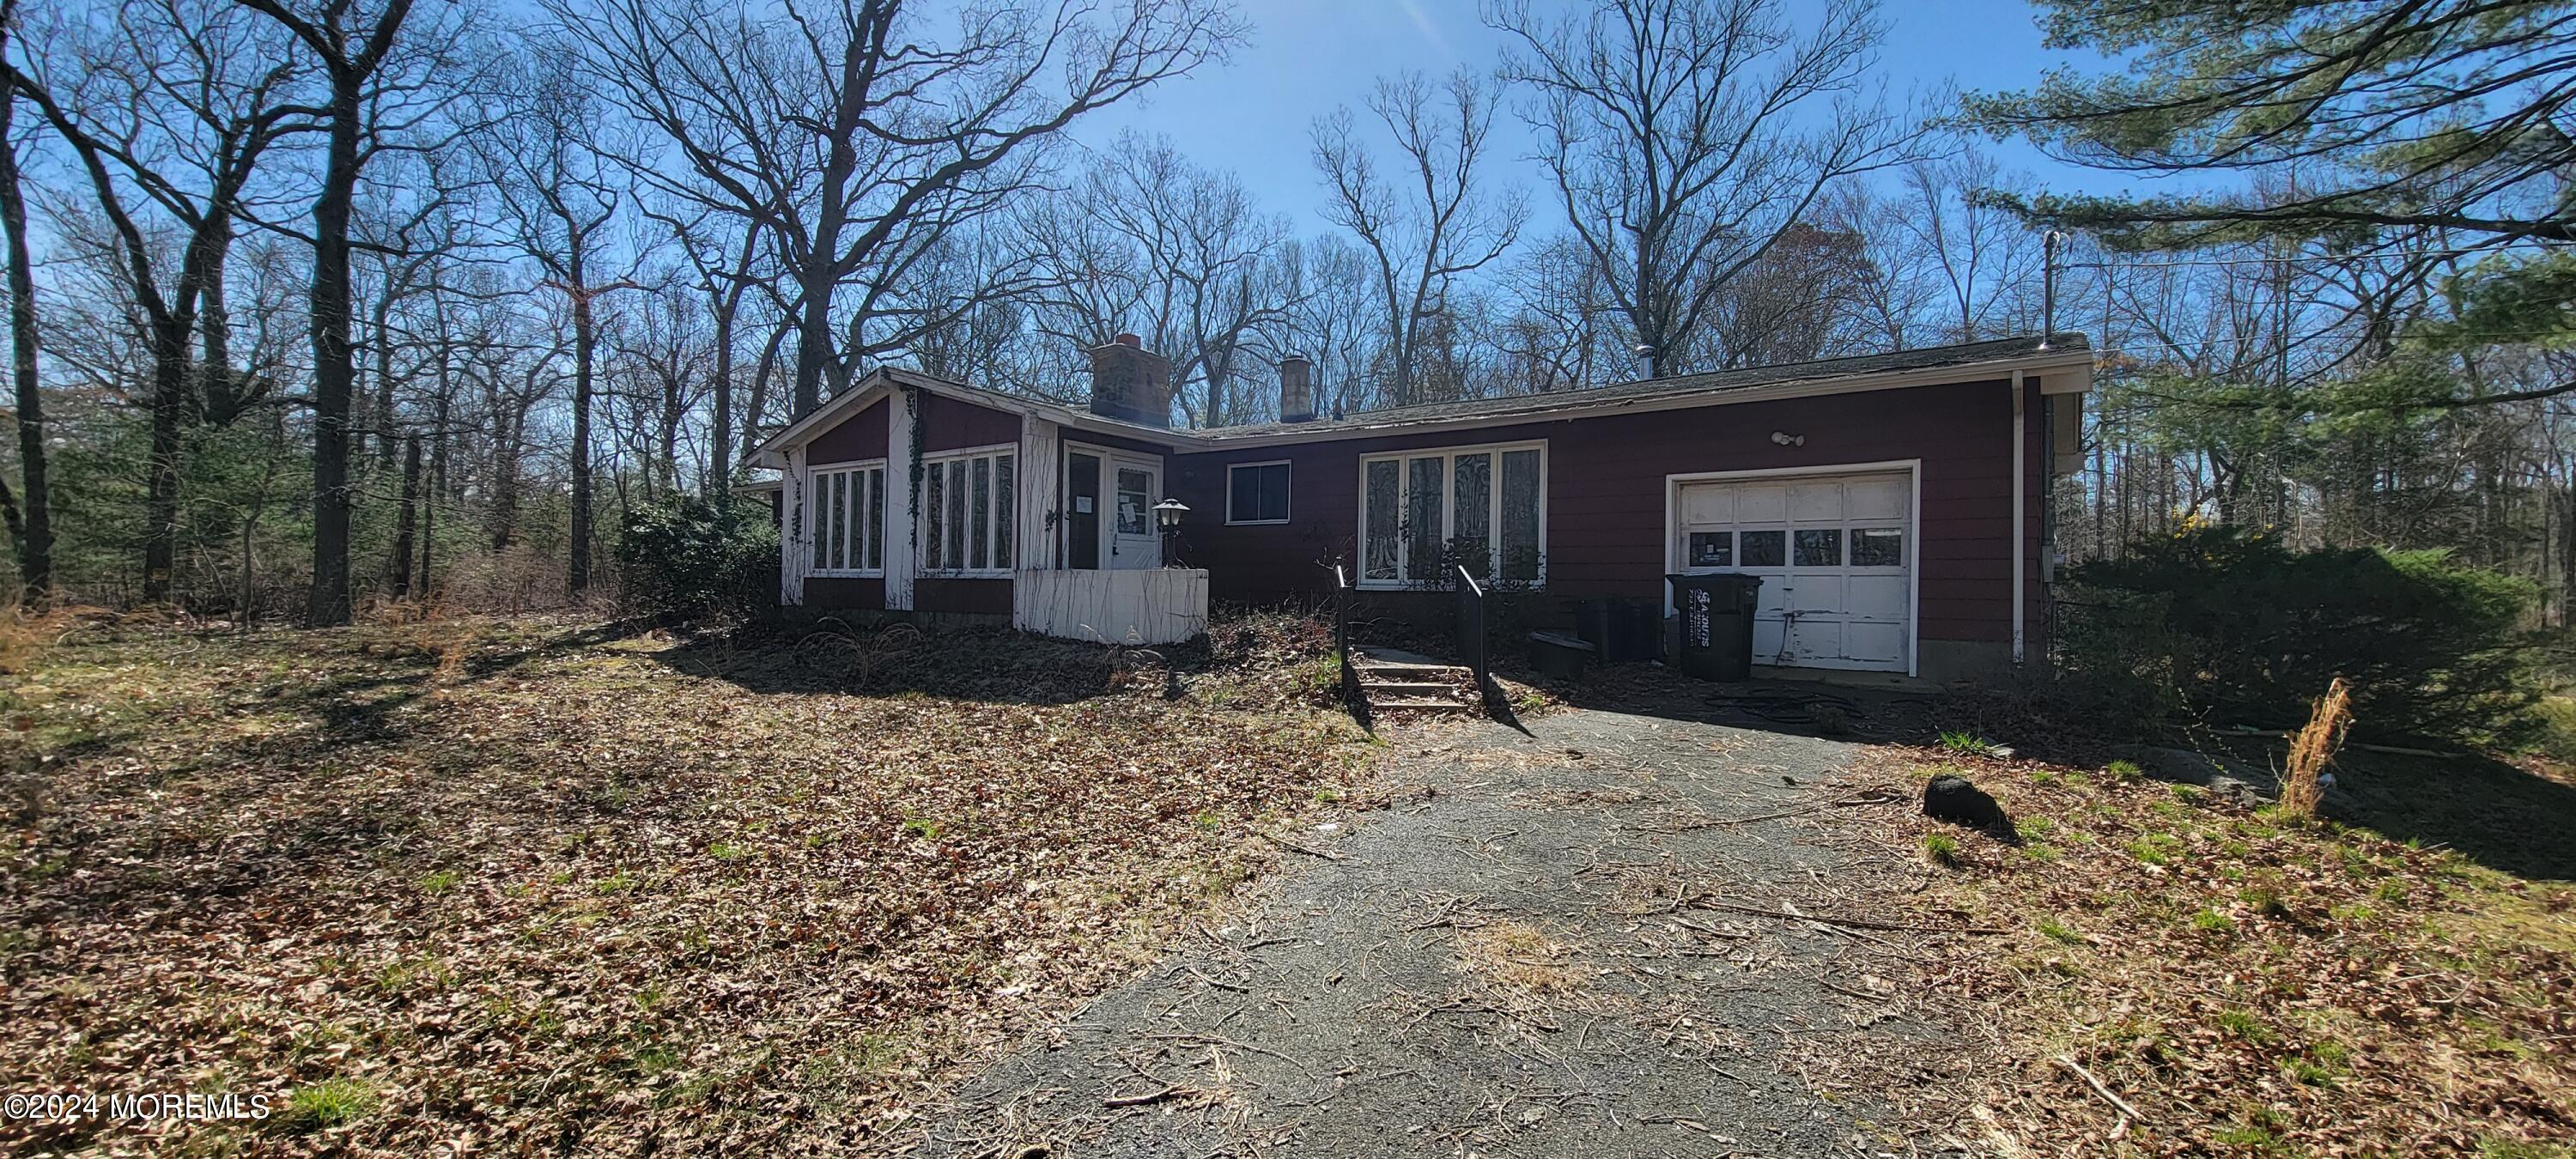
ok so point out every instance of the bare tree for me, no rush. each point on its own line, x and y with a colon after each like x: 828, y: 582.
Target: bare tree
x: 1557, y: 333
x: 1429, y: 221
x: 160, y: 109
x: 858, y: 137
x: 726, y: 275
x: 556, y: 189
x: 1332, y: 317
x: 1148, y: 242
x: 30, y: 509
x: 1686, y: 137
x: 352, y: 47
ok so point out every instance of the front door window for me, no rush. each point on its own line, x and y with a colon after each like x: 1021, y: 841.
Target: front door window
x: 1082, y: 511
x: 1132, y: 542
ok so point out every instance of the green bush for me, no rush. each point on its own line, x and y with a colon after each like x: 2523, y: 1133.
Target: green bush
x: 2229, y: 626
x: 688, y: 558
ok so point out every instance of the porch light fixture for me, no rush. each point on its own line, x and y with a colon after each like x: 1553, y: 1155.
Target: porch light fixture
x: 1167, y: 514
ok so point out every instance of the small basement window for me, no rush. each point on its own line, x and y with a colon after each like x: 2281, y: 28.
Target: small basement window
x: 1256, y: 492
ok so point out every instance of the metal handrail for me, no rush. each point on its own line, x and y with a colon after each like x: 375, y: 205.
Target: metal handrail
x: 1473, y: 645
x: 1342, y: 627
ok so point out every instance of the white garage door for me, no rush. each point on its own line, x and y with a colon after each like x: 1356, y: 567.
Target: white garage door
x: 1835, y: 553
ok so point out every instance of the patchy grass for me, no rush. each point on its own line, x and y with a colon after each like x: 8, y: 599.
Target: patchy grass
x: 1521, y: 957
x: 527, y: 880
x: 2259, y: 984
x: 1971, y: 745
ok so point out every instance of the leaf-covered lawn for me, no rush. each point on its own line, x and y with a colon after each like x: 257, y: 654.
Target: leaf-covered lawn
x: 2247, y: 983
x: 525, y: 886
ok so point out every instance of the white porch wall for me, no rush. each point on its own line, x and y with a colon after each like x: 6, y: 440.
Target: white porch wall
x: 795, y: 554
x: 1138, y: 606
x: 903, y: 501
x: 1041, y: 474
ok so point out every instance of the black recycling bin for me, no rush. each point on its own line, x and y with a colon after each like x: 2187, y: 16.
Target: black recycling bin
x: 1592, y: 625
x: 1716, y: 613
x: 1639, y: 629
x: 1620, y: 630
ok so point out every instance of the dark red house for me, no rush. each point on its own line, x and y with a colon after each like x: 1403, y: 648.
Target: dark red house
x: 1893, y: 504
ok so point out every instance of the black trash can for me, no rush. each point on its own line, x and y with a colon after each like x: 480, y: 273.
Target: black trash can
x: 1639, y: 629
x: 1620, y: 630
x: 1716, y: 613
x: 1595, y: 624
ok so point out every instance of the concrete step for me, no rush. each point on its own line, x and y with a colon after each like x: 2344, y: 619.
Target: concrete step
x: 1408, y: 687
x: 1403, y: 668
x: 1418, y: 704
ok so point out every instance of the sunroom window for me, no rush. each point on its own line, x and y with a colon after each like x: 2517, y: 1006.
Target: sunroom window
x: 1480, y: 508
x: 846, y: 520
x: 966, y: 506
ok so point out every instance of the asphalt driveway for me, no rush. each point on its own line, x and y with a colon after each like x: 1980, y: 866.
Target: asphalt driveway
x: 1582, y: 941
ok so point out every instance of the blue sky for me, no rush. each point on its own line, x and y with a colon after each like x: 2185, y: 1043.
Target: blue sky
x: 1251, y: 116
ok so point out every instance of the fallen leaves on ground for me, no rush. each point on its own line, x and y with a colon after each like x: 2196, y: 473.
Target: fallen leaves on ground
x: 537, y: 887
x: 2247, y: 983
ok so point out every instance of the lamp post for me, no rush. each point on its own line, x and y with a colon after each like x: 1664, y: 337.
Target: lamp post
x: 1167, y: 515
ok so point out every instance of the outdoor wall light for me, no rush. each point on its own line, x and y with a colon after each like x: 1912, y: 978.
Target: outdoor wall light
x: 1168, y: 515
x: 1786, y: 439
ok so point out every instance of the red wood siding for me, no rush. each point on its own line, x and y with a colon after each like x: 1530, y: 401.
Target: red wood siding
x: 949, y: 424
x: 858, y: 437
x: 841, y: 591
x: 978, y: 596
x: 1606, y: 495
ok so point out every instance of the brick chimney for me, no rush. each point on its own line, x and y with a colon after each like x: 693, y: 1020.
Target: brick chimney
x: 1131, y: 383
x: 1296, y: 389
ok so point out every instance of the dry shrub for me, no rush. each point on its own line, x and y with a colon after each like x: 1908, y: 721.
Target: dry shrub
x: 431, y: 627
x: 2314, y: 748
x: 26, y: 634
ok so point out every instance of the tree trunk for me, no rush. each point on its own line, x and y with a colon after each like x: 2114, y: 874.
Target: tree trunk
x: 170, y: 341
x: 437, y: 462
x: 35, y: 529
x: 719, y: 483
x: 334, y: 371
x: 581, y: 385
x: 406, y: 524
x: 381, y: 415
x: 813, y: 340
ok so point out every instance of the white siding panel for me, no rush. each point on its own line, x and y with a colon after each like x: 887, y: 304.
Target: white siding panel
x: 1142, y: 606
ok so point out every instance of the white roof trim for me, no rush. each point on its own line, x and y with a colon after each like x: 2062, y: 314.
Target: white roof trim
x: 881, y: 381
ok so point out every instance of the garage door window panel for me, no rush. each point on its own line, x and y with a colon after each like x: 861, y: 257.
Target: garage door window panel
x: 1819, y: 547
x: 1765, y: 549
x: 1877, y: 547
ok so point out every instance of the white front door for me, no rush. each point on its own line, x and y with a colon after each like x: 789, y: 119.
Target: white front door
x: 1136, y: 485
x: 1835, y: 553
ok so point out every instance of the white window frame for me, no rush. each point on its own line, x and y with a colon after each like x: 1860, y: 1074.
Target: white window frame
x: 1291, y: 495
x: 939, y: 460
x: 1448, y: 511
x: 856, y: 534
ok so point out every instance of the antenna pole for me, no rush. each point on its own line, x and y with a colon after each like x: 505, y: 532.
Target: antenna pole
x: 2048, y: 244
